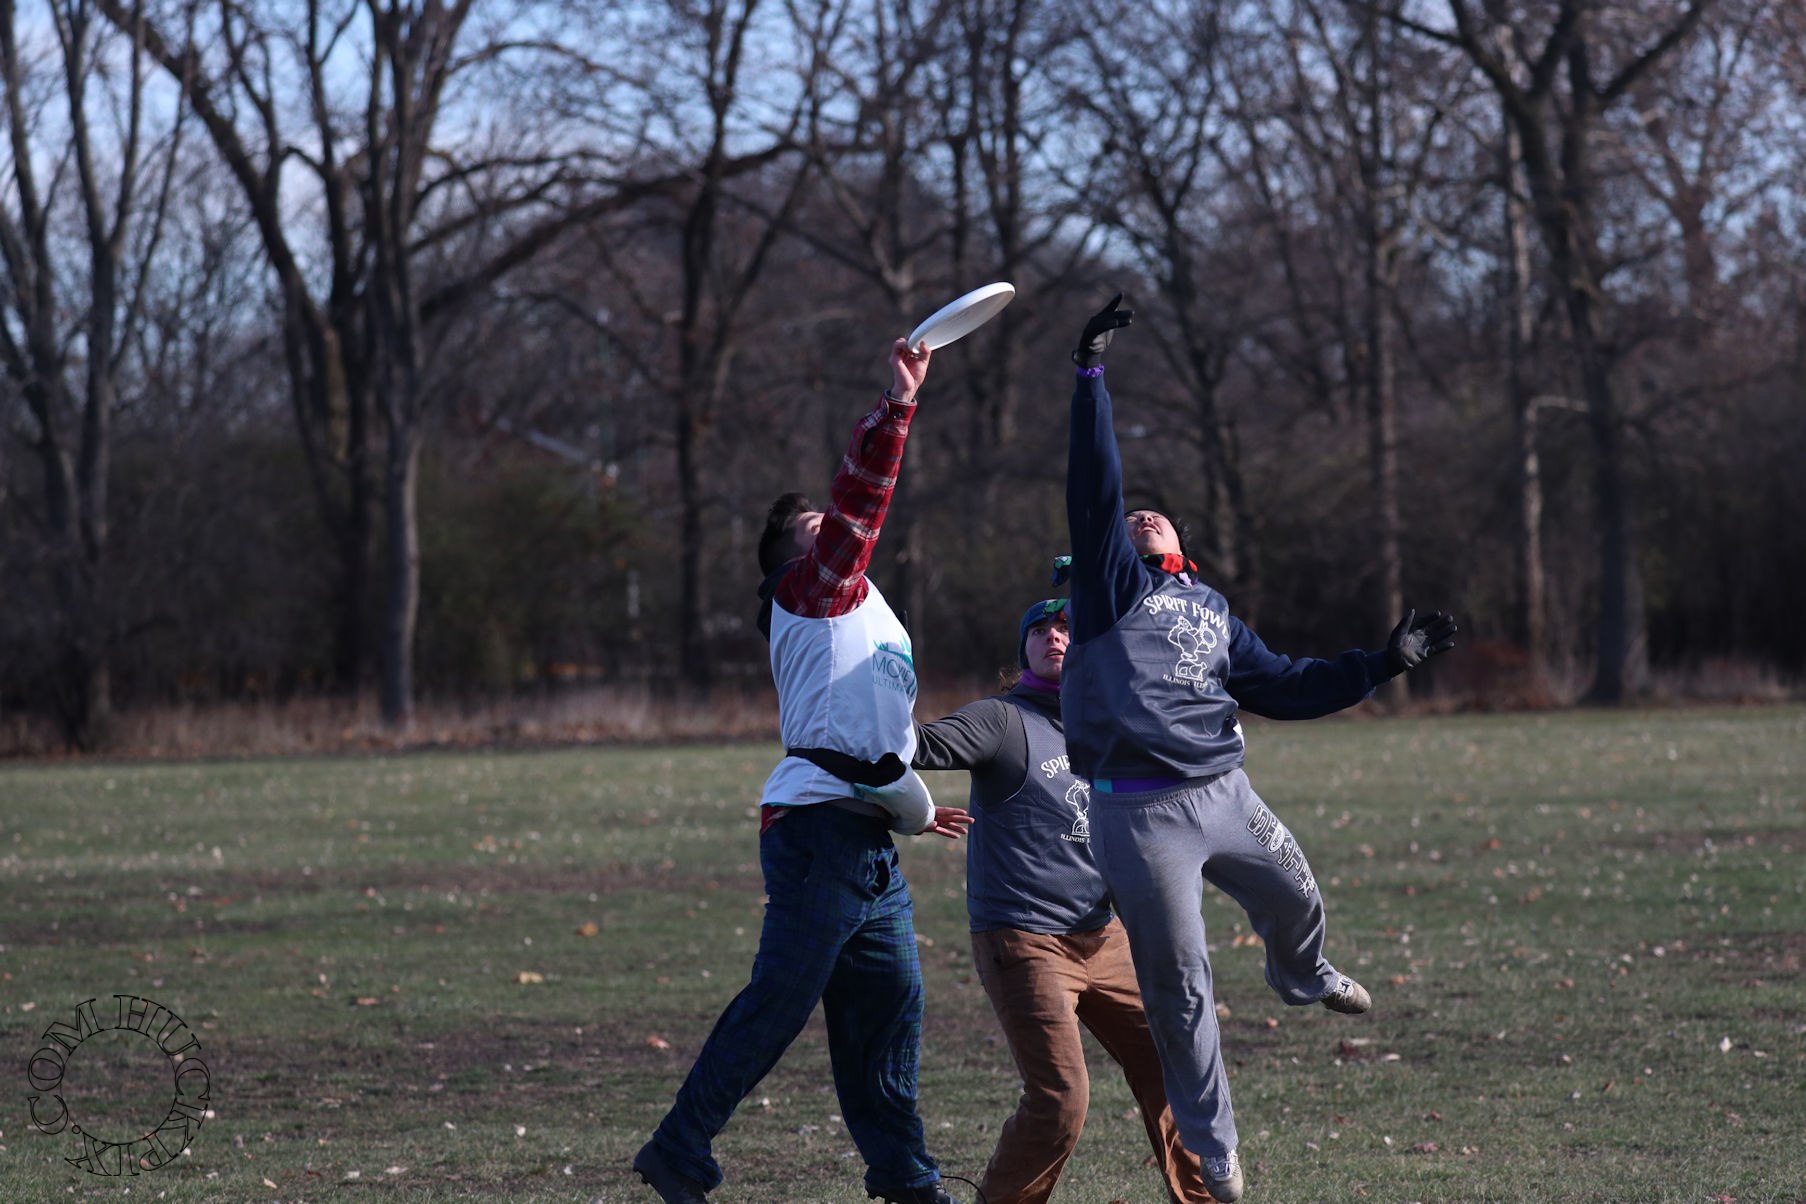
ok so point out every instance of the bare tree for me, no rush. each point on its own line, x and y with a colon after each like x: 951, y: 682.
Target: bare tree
x: 1699, y: 146
x: 1374, y: 140
x: 1006, y: 118
x: 1153, y: 89
x: 724, y: 239
x: 408, y: 215
x: 932, y: 147
x: 1785, y: 28
x: 1584, y: 58
x: 873, y: 142
x: 1520, y: 387
x: 236, y: 78
x: 73, y: 304
x: 413, y: 59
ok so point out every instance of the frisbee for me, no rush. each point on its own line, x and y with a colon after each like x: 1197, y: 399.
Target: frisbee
x: 959, y: 318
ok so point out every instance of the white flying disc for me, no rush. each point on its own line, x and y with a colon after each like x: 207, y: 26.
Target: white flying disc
x: 957, y: 319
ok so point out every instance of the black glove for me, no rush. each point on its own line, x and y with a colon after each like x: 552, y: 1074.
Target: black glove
x: 1098, y: 330
x: 1416, y: 640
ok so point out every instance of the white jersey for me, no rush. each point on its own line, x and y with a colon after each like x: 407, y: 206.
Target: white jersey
x: 847, y: 683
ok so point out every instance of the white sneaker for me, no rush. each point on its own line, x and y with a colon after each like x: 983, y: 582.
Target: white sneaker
x: 1223, y: 1176
x: 1348, y: 997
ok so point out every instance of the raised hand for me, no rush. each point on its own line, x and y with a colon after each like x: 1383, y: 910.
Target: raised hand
x: 907, y: 370
x: 1416, y: 640
x: 1102, y: 324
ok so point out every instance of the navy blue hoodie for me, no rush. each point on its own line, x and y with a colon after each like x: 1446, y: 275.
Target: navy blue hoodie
x: 1158, y: 666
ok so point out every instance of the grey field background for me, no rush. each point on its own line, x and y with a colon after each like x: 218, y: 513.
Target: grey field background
x: 1583, y: 932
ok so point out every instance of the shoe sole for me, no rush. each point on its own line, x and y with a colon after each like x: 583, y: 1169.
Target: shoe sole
x: 644, y: 1178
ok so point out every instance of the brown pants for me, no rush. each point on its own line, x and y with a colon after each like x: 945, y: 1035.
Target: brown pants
x: 1043, y: 987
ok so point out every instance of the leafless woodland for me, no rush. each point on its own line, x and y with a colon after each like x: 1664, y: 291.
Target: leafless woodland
x: 412, y: 352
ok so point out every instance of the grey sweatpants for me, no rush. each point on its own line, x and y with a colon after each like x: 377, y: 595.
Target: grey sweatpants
x: 1156, y: 851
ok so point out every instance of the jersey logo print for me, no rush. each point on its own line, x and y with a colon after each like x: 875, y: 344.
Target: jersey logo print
x: 893, y: 668
x: 1078, y: 797
x: 1195, y: 643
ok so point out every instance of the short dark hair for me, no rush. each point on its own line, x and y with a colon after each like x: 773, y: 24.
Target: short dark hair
x: 774, y: 545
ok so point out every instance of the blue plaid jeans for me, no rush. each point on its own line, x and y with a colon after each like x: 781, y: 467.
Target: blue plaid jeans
x: 838, y: 929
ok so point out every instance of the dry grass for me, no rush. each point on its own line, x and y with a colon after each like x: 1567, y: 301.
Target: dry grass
x: 639, y: 713
x: 1721, y: 679
x: 601, y: 714
x: 611, y: 714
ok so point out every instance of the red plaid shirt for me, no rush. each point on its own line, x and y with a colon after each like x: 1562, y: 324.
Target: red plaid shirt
x: 829, y: 579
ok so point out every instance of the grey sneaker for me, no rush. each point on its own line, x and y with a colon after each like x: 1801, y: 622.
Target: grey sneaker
x: 1223, y: 1176
x: 1348, y: 997
x: 672, y: 1186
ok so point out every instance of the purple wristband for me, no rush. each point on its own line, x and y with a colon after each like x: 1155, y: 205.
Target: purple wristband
x: 1093, y: 373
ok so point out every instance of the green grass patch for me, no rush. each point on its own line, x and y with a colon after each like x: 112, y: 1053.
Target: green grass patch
x: 1583, y: 933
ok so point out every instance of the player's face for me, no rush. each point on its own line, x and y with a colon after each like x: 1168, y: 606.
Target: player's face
x: 1045, y: 648
x: 1151, y: 533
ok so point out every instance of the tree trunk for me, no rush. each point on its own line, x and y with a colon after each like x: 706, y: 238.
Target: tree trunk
x: 84, y: 699
x: 1382, y: 451
x: 1219, y: 507
x: 98, y: 692
x: 696, y: 372
x: 355, y: 537
x: 1620, y: 594
x: 1532, y: 621
x: 692, y: 641
x: 402, y: 605
x: 75, y: 428
x: 1561, y: 184
x: 1229, y: 521
x: 338, y: 413
x: 1382, y: 372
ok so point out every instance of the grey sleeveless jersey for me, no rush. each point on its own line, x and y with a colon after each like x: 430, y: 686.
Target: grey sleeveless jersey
x: 1147, y: 698
x: 1028, y: 861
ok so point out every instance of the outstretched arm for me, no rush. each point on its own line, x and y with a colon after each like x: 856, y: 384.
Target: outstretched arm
x: 913, y: 810
x: 1278, y: 687
x: 968, y: 739
x: 1106, y: 575
x: 830, y: 580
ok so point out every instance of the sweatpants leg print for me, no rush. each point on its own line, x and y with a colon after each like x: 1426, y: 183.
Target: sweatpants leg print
x: 1156, y: 852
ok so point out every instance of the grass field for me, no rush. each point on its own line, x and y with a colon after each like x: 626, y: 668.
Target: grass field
x: 1583, y: 932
